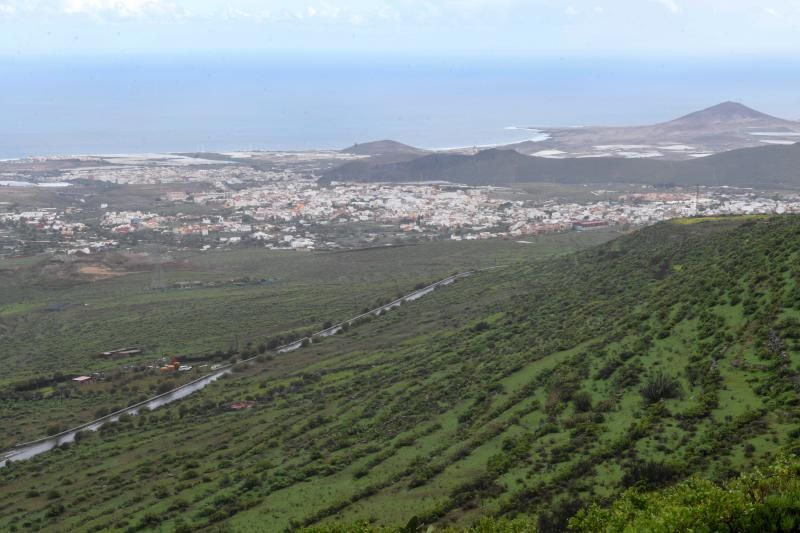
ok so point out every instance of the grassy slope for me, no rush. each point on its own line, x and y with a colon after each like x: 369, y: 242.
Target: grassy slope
x: 306, y: 290
x: 517, y: 391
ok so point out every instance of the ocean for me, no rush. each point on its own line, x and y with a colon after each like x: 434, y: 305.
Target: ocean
x: 71, y: 106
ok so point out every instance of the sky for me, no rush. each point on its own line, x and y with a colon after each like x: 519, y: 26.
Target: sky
x: 100, y: 76
x: 507, y: 28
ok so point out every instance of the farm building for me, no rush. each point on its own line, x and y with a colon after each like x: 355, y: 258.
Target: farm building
x: 121, y: 352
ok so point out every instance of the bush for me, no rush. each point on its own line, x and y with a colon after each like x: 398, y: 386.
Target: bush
x: 54, y: 510
x: 582, y: 400
x: 660, y: 386
x: 650, y: 474
x: 767, y: 500
x: 480, y: 326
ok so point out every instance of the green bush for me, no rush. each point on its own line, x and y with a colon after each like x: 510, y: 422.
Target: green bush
x: 660, y: 386
x: 765, y: 500
x: 582, y: 400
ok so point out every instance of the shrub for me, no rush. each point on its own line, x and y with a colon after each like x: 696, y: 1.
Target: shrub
x: 761, y: 501
x: 582, y: 400
x: 660, y: 386
x: 480, y: 326
x: 650, y: 474
x: 54, y: 510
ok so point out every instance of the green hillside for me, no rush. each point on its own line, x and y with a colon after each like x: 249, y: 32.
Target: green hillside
x: 529, y: 391
x: 54, y: 324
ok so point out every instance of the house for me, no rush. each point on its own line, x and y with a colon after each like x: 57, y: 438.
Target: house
x: 177, y: 196
x: 80, y: 380
x: 121, y: 352
x: 585, y: 225
x: 246, y: 404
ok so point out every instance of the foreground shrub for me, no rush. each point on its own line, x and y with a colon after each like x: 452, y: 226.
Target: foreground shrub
x: 767, y: 500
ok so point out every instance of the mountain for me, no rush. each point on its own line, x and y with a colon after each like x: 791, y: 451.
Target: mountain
x: 531, y: 390
x: 726, y: 113
x: 383, y: 148
x: 381, y: 152
x: 775, y: 165
x: 723, y: 127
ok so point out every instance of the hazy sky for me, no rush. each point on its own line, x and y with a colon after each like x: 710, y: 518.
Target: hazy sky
x: 693, y: 28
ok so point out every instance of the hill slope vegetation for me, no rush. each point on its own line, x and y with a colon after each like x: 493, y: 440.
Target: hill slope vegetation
x: 532, y: 390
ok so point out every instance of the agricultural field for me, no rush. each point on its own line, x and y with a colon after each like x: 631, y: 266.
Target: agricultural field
x: 57, y: 315
x: 528, y: 391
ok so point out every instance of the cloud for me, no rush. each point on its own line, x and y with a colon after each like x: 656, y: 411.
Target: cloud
x: 671, y: 5
x: 772, y: 11
x: 236, y: 13
x: 122, y: 8
x: 572, y: 11
x: 7, y: 9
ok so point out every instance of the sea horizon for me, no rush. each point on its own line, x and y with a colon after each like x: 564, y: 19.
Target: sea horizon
x: 90, y: 106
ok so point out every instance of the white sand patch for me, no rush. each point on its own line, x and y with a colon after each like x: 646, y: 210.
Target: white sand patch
x: 551, y: 154
x: 15, y: 183
x: 538, y: 137
x: 171, y: 160
x: 615, y: 147
x: 639, y: 155
x: 538, y: 134
x: 776, y: 133
x: 778, y: 141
